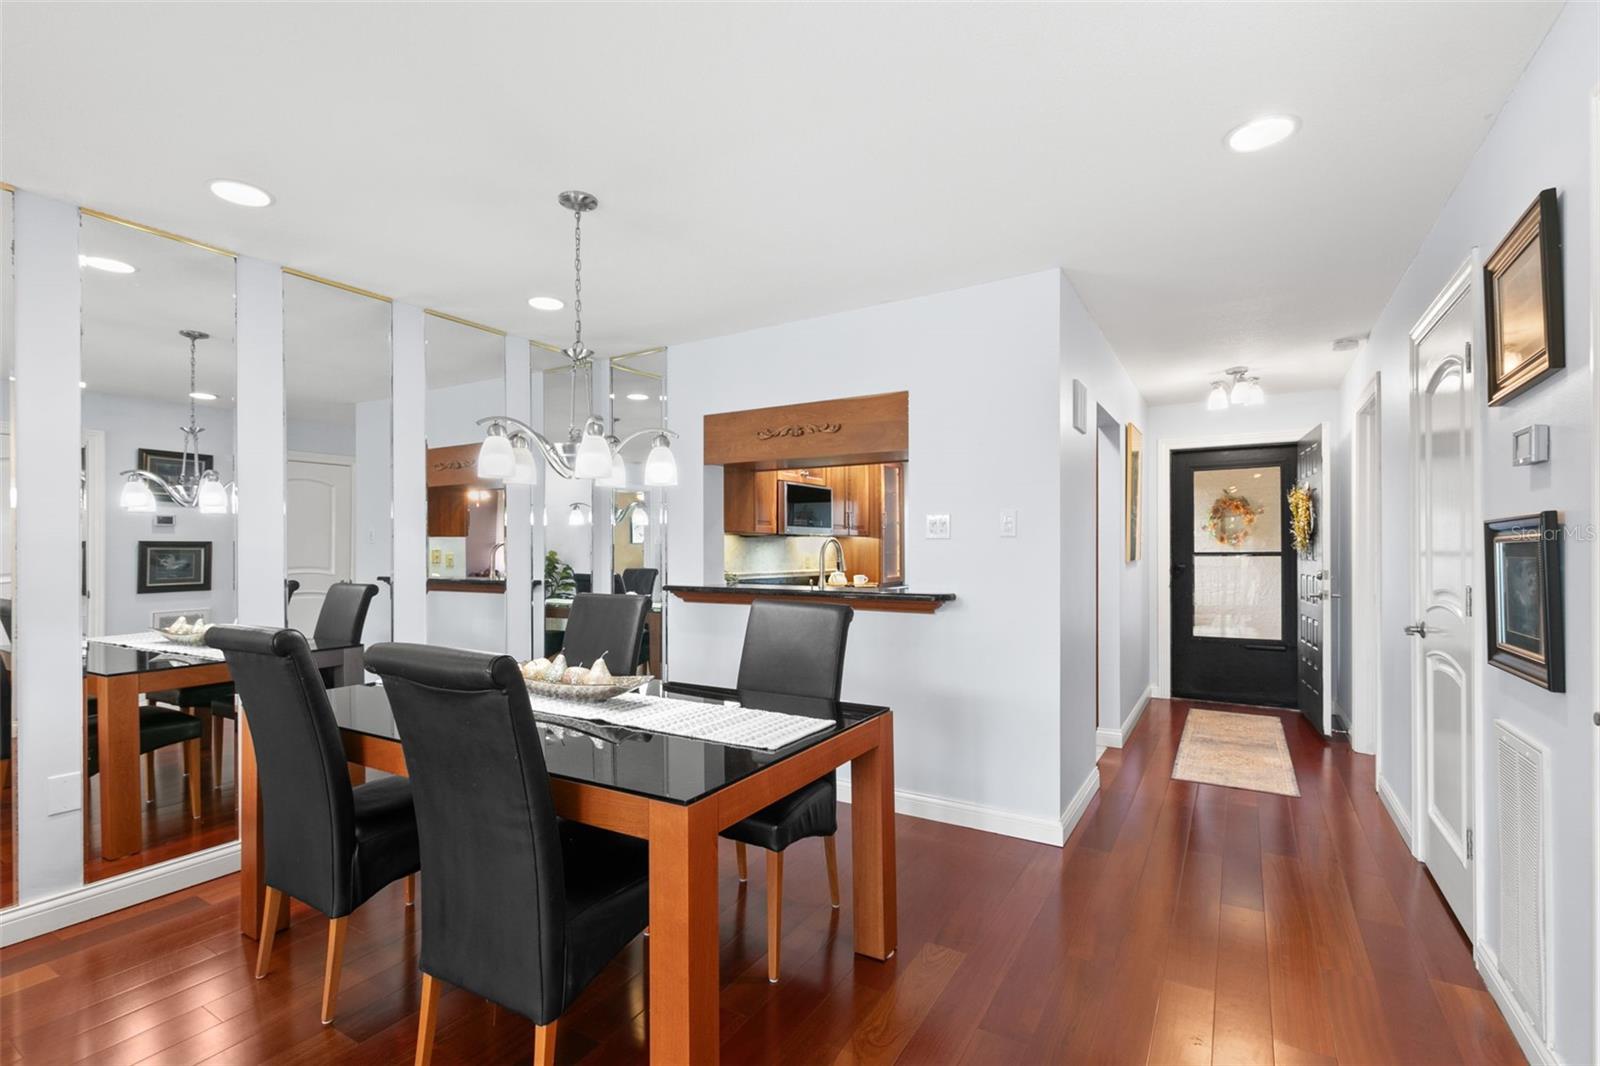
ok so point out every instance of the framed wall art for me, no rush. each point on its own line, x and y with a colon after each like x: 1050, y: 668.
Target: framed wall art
x: 174, y: 566
x: 1522, y: 302
x: 1526, y: 631
x: 168, y: 466
x: 1133, y: 489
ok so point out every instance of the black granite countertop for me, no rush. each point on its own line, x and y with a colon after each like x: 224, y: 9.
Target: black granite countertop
x: 894, y: 592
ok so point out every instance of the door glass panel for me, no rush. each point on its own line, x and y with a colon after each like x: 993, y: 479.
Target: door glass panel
x: 1238, y: 596
x: 1237, y: 511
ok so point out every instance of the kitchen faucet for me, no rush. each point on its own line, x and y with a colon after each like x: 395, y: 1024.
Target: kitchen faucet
x: 822, y: 560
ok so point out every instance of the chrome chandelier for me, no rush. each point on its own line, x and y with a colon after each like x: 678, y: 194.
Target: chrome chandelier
x: 200, y: 489
x: 1245, y: 391
x: 590, y: 452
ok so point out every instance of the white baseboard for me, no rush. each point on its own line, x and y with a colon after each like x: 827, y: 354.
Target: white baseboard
x: 1397, y: 813
x: 1111, y: 737
x: 971, y: 815
x: 41, y: 916
x: 1522, y: 1026
x: 1080, y: 801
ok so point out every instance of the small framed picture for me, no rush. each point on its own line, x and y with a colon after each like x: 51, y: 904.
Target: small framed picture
x: 1526, y: 631
x: 174, y: 566
x: 164, y: 619
x: 1522, y: 302
x: 168, y: 466
x: 1132, y: 488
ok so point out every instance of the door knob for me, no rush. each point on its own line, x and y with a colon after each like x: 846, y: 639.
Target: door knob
x: 1417, y: 629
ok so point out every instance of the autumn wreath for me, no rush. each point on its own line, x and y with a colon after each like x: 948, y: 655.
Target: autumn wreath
x: 1302, y: 518
x: 1232, y: 518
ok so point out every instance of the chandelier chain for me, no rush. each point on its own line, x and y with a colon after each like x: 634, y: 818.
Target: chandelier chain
x: 577, y: 278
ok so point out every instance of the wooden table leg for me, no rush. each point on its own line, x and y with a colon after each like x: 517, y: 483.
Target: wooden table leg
x: 252, y: 860
x: 683, y: 934
x: 872, y: 845
x: 117, y: 699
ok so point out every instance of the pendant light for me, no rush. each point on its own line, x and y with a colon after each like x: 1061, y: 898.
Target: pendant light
x: 588, y: 453
x: 1244, y: 391
x: 203, y: 490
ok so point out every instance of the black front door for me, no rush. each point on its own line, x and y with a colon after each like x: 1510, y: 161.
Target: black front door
x: 1310, y: 582
x: 1233, y: 576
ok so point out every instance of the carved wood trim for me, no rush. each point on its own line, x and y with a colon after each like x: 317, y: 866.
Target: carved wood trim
x: 856, y: 429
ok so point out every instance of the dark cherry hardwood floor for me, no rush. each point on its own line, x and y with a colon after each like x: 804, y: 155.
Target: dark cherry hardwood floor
x: 1182, y: 923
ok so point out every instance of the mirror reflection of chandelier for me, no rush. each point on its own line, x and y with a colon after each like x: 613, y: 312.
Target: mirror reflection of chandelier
x: 589, y: 452
x: 196, y: 488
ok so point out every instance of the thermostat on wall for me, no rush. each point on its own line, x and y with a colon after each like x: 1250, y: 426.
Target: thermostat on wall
x: 1530, y: 445
x: 164, y: 523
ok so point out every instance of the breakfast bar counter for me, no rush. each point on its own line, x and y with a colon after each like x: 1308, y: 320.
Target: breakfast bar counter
x: 862, y: 598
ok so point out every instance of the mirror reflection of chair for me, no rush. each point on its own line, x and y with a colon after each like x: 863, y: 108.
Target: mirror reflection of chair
x: 792, y: 649
x: 605, y: 625
x: 640, y: 580
x: 328, y: 844
x: 158, y: 728
x: 522, y: 908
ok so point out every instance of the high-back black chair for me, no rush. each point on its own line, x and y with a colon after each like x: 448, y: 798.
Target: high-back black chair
x: 344, y: 613
x: 601, y: 624
x: 328, y: 844
x: 640, y: 580
x: 583, y: 582
x: 522, y: 908
x: 290, y: 587
x: 792, y: 650
x: 5, y: 699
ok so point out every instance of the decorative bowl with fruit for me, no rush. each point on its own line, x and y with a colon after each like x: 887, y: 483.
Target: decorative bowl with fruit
x: 592, y: 684
x: 184, y: 631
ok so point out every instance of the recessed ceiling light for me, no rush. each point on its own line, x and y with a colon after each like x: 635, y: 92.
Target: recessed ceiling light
x: 83, y: 384
x: 238, y: 192
x: 637, y: 397
x: 202, y: 396
x: 545, y: 303
x: 110, y: 266
x: 1262, y: 132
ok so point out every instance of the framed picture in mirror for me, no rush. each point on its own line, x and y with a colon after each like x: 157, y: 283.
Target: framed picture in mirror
x: 174, y: 566
x: 1522, y: 302
x: 164, y: 619
x: 1526, y: 629
x: 168, y: 466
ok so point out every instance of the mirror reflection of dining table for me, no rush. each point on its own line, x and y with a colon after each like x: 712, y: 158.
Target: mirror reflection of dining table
x: 678, y: 793
x: 115, y: 677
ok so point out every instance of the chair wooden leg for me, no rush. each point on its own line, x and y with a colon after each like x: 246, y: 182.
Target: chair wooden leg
x: 831, y: 853
x: 271, y: 908
x: 744, y: 869
x: 330, y: 972
x: 217, y: 733
x: 5, y: 773
x: 191, y: 767
x: 427, y: 1019
x: 774, y: 913
x: 411, y: 889
x: 150, y: 776
x: 544, y: 1045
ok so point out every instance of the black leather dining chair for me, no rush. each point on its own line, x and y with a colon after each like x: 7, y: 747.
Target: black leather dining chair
x: 640, y: 580
x: 328, y: 844
x: 523, y: 908
x: 603, y: 624
x: 792, y: 650
x: 5, y: 699
x: 159, y: 727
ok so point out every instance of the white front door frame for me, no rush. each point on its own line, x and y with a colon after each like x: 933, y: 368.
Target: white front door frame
x: 1366, y: 573
x: 1163, y: 581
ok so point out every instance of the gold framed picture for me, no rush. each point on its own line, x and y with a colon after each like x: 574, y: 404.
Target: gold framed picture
x: 1522, y: 302
x: 1133, y: 484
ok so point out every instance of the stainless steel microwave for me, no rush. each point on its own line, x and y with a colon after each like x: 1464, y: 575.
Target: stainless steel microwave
x: 806, y: 509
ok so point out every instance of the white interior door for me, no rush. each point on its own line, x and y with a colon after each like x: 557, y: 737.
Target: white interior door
x: 1446, y: 530
x: 319, y: 534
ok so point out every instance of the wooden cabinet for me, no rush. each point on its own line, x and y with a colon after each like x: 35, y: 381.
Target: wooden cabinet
x: 447, y: 511
x: 868, y: 501
x: 891, y: 523
x: 749, y: 501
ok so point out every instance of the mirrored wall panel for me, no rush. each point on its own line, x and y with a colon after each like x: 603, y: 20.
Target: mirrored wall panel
x: 159, y: 498
x: 339, y: 480
x: 568, y: 513
x: 466, y: 515
x: 638, y: 520
x: 9, y: 751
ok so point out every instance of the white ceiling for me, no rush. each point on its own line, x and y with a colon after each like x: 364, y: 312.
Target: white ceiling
x: 763, y: 163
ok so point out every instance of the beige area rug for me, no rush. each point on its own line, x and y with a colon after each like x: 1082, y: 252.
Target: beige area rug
x: 1236, y: 750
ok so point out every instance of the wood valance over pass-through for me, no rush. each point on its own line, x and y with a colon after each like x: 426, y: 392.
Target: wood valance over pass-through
x: 857, y: 429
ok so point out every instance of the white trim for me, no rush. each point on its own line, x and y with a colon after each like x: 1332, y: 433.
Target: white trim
x: 1365, y: 656
x: 75, y: 905
x: 1163, y: 578
x: 1109, y: 737
x: 1080, y: 802
x: 1594, y: 500
x: 1009, y: 823
x: 1521, y: 1027
x: 1397, y: 812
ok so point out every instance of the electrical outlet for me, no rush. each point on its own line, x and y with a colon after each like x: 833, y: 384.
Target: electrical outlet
x: 1008, y: 522
x: 938, y: 527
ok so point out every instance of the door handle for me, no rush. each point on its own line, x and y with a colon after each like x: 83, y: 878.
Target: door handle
x: 1417, y: 629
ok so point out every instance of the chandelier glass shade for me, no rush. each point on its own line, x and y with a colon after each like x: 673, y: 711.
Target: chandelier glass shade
x: 1243, y: 391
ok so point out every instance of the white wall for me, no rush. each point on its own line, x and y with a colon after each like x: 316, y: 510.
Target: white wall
x: 1540, y: 139
x: 130, y: 423
x: 374, y: 543
x: 976, y: 687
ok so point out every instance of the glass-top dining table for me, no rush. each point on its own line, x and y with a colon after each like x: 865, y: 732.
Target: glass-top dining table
x: 678, y: 793
x: 115, y: 677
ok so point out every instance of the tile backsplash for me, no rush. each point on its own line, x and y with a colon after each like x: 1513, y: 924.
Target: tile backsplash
x: 745, y: 556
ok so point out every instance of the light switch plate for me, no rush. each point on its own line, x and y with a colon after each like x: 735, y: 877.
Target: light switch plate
x: 63, y: 793
x: 1008, y: 522
x: 938, y: 527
